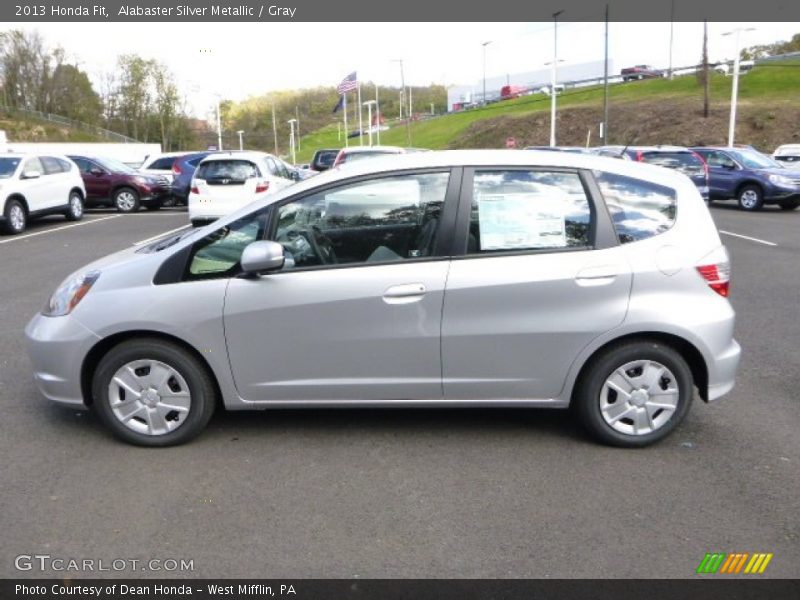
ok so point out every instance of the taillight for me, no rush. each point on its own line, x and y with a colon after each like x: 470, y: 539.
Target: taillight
x: 194, y: 189
x: 262, y: 186
x: 639, y: 156
x: 716, y: 270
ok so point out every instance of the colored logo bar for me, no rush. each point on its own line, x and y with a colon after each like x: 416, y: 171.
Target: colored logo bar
x: 735, y: 563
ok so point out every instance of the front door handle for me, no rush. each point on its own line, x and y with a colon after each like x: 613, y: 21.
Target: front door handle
x: 404, y: 293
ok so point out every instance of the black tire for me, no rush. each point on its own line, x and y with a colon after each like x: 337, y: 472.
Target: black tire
x: 153, y: 206
x: 16, y: 217
x: 169, y: 202
x: 191, y: 369
x: 126, y: 200
x: 586, y: 400
x: 789, y: 204
x: 75, y: 208
x: 750, y: 197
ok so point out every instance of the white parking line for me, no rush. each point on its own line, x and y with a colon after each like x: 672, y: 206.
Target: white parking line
x: 747, y: 237
x: 30, y: 235
x: 155, y: 237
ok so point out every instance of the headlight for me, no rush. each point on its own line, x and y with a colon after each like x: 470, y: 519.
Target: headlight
x: 781, y: 180
x: 143, y: 180
x: 69, y: 293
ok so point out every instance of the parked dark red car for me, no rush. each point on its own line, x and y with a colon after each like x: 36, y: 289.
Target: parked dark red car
x: 109, y: 182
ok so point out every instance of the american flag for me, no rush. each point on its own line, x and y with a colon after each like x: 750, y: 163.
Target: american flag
x: 348, y: 84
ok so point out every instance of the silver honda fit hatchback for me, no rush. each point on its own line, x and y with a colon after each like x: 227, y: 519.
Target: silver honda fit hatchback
x: 463, y: 278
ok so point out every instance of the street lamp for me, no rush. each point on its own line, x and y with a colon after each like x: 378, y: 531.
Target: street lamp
x: 553, y: 80
x: 369, y: 104
x: 735, y: 86
x: 403, y: 87
x: 241, y: 142
x: 377, y: 115
x: 484, y: 70
x: 291, y: 123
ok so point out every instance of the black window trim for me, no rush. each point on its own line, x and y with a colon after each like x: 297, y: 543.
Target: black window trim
x: 601, y: 231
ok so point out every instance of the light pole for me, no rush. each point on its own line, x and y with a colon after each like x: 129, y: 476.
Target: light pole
x: 484, y: 70
x: 671, y: 32
x: 403, y: 87
x: 241, y: 141
x: 553, y: 80
x: 369, y: 104
x: 735, y: 86
x: 219, y: 127
x: 291, y: 123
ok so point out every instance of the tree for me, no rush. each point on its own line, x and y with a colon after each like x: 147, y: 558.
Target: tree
x: 135, y: 99
x: 764, y: 50
x: 72, y: 95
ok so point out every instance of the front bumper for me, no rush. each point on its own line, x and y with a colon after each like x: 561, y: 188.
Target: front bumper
x: 777, y: 196
x: 57, y: 347
x: 722, y: 371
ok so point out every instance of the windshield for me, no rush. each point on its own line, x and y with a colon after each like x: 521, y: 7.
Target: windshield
x: 109, y: 164
x: 8, y: 166
x: 754, y: 160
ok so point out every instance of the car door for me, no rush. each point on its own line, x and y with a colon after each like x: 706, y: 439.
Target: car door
x: 57, y: 182
x: 722, y: 173
x: 35, y: 188
x: 541, y: 275
x: 355, y: 314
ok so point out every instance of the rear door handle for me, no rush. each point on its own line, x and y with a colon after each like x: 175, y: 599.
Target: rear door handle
x: 404, y: 294
x: 601, y: 275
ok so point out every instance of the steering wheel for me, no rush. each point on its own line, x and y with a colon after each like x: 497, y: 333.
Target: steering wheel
x: 322, y: 246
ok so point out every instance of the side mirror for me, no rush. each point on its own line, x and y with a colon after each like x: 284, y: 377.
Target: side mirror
x: 31, y: 174
x: 96, y: 171
x: 262, y: 257
x: 295, y: 175
x: 730, y: 166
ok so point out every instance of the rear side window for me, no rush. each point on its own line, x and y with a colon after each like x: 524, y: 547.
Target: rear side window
x: 234, y: 170
x: 680, y: 161
x: 639, y: 209
x: 162, y: 164
x: 51, y: 165
x: 528, y: 210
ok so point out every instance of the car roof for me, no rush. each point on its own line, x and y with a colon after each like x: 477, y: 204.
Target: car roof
x: 659, y: 148
x: 376, y: 149
x: 237, y: 154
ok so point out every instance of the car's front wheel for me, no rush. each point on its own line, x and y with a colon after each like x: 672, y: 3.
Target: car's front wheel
x: 634, y: 394
x: 750, y: 198
x: 74, y: 210
x: 150, y: 392
x: 16, y: 217
x: 126, y: 200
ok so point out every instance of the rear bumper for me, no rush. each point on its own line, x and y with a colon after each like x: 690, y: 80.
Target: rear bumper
x: 722, y: 371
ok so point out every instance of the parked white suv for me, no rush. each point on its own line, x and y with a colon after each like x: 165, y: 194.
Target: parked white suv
x: 226, y: 181
x: 160, y: 165
x: 33, y: 186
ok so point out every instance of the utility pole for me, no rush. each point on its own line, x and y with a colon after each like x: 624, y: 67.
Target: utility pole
x: 241, y: 140
x: 484, y: 70
x: 671, y: 29
x: 291, y: 123
x: 219, y: 128
x: 297, y: 117
x: 553, y: 80
x: 377, y: 115
x: 706, y: 79
x: 402, y: 88
x: 735, y: 87
x: 605, y: 88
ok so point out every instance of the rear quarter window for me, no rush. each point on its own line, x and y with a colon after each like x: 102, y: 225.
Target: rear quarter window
x: 639, y: 209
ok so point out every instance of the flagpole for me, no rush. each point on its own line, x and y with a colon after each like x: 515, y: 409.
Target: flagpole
x: 360, y: 122
x: 344, y: 105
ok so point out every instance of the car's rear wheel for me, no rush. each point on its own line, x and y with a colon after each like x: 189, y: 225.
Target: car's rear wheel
x: 750, y: 198
x: 790, y: 204
x: 74, y: 210
x: 126, y: 200
x: 634, y: 394
x: 16, y: 217
x: 150, y: 392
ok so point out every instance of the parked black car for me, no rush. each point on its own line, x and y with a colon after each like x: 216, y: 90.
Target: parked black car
x: 324, y: 159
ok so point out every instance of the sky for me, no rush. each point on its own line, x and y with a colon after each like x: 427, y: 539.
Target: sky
x: 238, y: 60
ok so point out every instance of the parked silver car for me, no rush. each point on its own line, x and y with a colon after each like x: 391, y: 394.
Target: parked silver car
x: 463, y: 278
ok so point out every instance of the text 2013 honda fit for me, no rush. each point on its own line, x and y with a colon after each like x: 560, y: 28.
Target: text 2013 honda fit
x: 463, y: 278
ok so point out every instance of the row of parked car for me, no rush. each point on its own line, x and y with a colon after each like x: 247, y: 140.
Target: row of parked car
x: 740, y: 173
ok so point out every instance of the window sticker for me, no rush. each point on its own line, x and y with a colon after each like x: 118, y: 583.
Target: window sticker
x: 521, y: 220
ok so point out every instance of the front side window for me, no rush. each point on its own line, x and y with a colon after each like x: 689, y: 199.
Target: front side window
x: 380, y: 220
x: 639, y: 209
x: 517, y: 210
x: 33, y: 165
x: 218, y: 254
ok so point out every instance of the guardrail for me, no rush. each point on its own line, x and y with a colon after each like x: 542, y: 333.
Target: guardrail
x: 60, y: 120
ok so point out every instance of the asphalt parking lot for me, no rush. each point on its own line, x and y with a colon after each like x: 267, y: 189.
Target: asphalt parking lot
x: 408, y: 493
